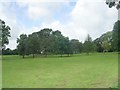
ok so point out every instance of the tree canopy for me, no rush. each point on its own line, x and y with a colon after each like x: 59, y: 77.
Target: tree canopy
x: 104, y: 42
x: 45, y: 41
x: 113, y: 3
x: 89, y: 46
x: 116, y: 35
x: 22, y: 44
x: 4, y: 34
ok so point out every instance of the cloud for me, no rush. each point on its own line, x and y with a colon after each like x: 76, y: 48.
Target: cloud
x: 36, y: 12
x: 10, y: 20
x: 93, y: 17
x: 69, y: 30
x: 37, y: 9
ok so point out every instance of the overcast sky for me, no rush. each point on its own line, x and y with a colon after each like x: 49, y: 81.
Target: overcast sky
x: 74, y: 18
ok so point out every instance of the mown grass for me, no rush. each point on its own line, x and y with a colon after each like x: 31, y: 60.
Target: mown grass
x: 98, y: 70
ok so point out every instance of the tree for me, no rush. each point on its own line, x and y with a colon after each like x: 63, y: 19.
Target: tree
x: 4, y: 34
x: 75, y: 46
x: 7, y: 51
x: 80, y: 47
x: 89, y: 45
x: 66, y: 48
x: 57, y: 33
x: 33, y: 44
x: 98, y: 44
x: 104, y: 42
x: 116, y: 35
x: 115, y: 3
x: 15, y: 52
x: 106, y: 46
x: 62, y: 45
x: 56, y: 44
x: 116, y: 31
x: 46, y: 40
x: 22, y: 41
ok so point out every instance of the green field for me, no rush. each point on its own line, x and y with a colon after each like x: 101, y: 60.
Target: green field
x: 78, y: 71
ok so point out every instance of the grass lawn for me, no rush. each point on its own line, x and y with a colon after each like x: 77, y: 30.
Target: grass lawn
x: 97, y: 70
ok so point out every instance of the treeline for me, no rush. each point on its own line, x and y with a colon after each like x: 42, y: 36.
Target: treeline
x: 8, y: 51
x: 109, y: 41
x: 47, y: 41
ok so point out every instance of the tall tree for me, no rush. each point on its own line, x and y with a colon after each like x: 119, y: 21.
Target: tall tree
x: 22, y: 41
x: 98, y: 44
x: 33, y: 44
x: 4, y: 34
x: 56, y: 44
x: 89, y: 45
x: 62, y: 45
x: 116, y: 28
x: 104, y: 42
x: 116, y: 35
x: 45, y: 36
x: 66, y: 49
x: 75, y: 46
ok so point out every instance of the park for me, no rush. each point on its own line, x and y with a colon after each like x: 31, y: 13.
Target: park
x: 97, y: 70
x: 43, y: 45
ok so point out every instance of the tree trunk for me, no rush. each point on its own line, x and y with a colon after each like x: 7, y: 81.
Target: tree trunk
x: 33, y: 55
x: 45, y: 55
x: 87, y: 53
x: 68, y: 54
x: 23, y: 56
